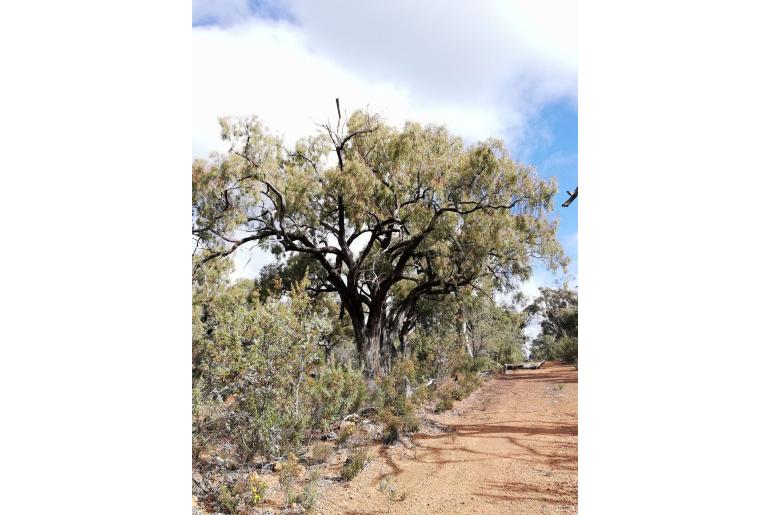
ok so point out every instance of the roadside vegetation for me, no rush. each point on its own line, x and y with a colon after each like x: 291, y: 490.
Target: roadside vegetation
x: 334, y: 346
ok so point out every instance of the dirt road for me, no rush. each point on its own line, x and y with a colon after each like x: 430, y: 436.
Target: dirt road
x: 511, y: 447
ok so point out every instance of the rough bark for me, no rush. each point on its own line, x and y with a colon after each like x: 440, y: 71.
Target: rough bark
x: 383, y: 335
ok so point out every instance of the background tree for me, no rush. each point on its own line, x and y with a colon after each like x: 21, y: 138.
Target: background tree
x: 557, y: 312
x: 388, y: 217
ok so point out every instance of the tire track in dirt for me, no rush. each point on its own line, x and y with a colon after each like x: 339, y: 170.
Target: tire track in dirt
x: 511, y: 448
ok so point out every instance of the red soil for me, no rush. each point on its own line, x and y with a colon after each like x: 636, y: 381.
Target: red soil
x: 511, y: 447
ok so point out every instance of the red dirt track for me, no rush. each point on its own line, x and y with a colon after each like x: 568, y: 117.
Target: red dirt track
x: 511, y: 447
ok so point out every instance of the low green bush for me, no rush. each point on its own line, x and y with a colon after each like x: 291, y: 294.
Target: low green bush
x: 443, y: 404
x: 566, y: 349
x: 354, y: 464
x: 320, y: 453
x: 391, y: 389
x: 336, y: 391
x: 253, y: 361
x: 242, y: 494
x: 346, y: 431
x: 308, y: 495
x: 289, y: 472
x: 227, y: 499
x: 411, y: 424
x: 389, y: 489
x: 485, y: 364
x: 393, y: 425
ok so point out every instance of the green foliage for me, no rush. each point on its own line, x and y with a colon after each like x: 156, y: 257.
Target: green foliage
x: 281, y: 277
x: 441, y: 345
x: 395, y: 425
x: 390, y: 394
x: 443, y: 218
x: 566, y: 349
x: 337, y: 391
x: 309, y: 494
x: 320, y: 453
x: 252, y: 368
x: 389, y: 489
x: 557, y: 310
x: 241, y: 494
x: 563, y: 349
x: 543, y: 347
x: 256, y: 489
x: 289, y: 471
x: 346, y: 431
x: 354, y: 464
x: 444, y: 403
x: 396, y: 409
x: 466, y: 384
x: 227, y: 499
x: 410, y: 423
x: 486, y: 364
x: 463, y: 382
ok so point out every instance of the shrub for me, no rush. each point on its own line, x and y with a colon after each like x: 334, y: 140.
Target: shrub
x: 484, y: 364
x: 411, y: 424
x: 566, y: 349
x: 337, y: 391
x: 354, y: 464
x: 457, y: 393
x: 460, y: 362
x: 258, y: 355
x: 289, y: 472
x: 467, y: 383
x: 423, y: 394
x: 388, y: 489
x: 256, y: 489
x: 393, y: 426
x: 444, y: 403
x: 307, y: 497
x: 199, y: 446
x: 346, y: 431
x: 320, y: 452
x: 451, y: 390
x: 242, y: 493
x: 390, y: 393
x: 397, y: 424
x: 227, y: 499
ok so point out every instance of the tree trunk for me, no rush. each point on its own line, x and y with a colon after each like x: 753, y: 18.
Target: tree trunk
x: 403, y: 339
x: 462, y: 331
x: 373, y: 346
x: 372, y: 356
x: 376, y: 340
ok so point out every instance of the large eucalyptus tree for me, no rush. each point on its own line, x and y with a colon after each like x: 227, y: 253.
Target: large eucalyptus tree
x: 388, y: 216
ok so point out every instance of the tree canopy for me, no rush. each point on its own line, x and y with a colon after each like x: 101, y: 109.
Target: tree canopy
x: 557, y: 311
x: 381, y: 217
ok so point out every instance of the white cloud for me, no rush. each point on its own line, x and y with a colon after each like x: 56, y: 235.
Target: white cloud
x: 264, y: 68
x: 457, y: 52
x: 481, y: 69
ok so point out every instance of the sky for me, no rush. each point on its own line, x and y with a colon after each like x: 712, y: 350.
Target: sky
x: 504, y: 69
